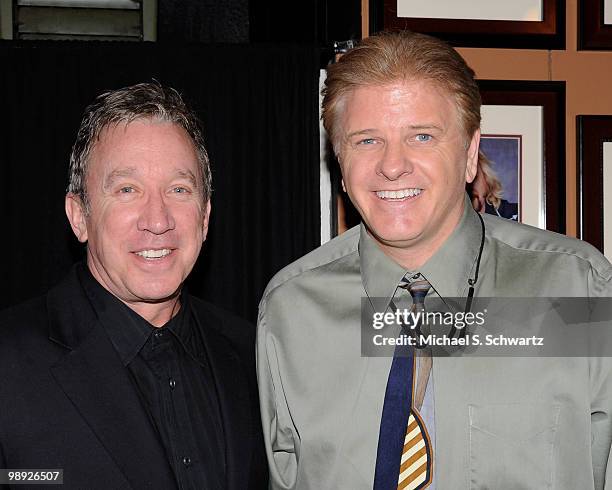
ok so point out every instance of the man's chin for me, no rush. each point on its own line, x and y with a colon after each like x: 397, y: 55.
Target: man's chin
x: 395, y: 238
x: 158, y: 295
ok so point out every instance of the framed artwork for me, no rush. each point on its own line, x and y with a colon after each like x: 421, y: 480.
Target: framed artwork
x: 595, y: 24
x: 504, y: 151
x: 537, y: 24
x: 523, y: 124
x: 594, y: 182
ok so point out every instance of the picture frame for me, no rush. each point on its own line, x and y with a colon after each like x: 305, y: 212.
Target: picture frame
x: 594, y: 25
x: 594, y: 182
x: 548, y: 33
x: 543, y: 188
x: 505, y: 153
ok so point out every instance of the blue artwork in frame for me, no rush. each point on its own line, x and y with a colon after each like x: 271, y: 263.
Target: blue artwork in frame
x: 504, y: 152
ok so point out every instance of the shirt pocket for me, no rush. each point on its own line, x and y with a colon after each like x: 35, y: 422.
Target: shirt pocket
x: 512, y: 446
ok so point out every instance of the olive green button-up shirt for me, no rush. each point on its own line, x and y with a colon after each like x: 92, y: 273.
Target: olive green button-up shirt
x: 500, y: 423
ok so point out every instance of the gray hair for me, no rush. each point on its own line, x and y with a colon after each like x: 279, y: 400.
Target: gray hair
x: 125, y: 105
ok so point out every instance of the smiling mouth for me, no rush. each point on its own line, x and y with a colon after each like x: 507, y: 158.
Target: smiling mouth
x: 154, y: 254
x: 399, y: 194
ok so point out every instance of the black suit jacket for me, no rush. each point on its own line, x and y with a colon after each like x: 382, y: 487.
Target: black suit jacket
x: 68, y: 402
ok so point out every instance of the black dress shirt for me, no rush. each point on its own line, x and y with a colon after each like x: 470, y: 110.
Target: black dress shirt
x: 174, y: 381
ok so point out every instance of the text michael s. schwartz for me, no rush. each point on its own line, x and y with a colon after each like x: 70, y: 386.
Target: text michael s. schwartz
x: 444, y: 340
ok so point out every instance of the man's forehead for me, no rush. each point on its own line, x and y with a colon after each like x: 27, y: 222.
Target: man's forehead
x: 119, y: 172
x: 113, y: 135
x: 115, y: 127
x: 397, y: 90
x: 120, y: 153
x: 422, y: 103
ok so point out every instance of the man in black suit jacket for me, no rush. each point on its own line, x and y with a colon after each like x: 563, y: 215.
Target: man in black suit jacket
x: 117, y: 375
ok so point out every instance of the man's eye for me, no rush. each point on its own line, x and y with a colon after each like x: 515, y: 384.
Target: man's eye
x: 180, y: 190
x: 367, y: 141
x: 423, y: 138
x: 126, y: 190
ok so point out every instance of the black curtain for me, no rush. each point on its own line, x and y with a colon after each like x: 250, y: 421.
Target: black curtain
x: 207, y: 21
x: 259, y: 107
x: 314, y: 21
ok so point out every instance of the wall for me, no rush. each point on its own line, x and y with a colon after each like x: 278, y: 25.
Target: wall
x: 588, y: 76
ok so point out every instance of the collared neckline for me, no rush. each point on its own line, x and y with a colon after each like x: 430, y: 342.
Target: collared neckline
x: 448, y: 270
x: 127, y: 330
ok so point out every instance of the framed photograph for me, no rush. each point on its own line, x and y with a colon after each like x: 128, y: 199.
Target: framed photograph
x: 594, y: 181
x: 595, y: 24
x: 505, y: 154
x: 523, y: 128
x: 537, y: 24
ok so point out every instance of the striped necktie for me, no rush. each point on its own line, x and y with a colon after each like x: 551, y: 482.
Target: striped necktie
x: 404, y: 458
x: 417, y: 454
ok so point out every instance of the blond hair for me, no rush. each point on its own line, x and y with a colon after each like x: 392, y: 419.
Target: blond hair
x: 400, y: 56
x: 494, y: 186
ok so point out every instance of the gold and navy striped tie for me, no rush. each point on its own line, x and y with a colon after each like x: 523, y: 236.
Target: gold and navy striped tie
x: 417, y: 456
x: 416, y: 469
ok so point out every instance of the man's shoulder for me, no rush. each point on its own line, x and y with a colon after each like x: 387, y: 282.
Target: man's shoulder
x: 239, y: 332
x: 528, y: 239
x: 324, y: 256
x: 215, y: 312
x: 24, y: 332
x: 21, y: 318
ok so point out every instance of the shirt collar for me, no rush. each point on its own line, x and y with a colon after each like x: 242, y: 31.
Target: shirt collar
x: 380, y: 274
x: 448, y: 270
x: 127, y: 330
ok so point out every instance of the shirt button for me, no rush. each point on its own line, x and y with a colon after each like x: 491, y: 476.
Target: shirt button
x: 172, y: 383
x: 158, y: 334
x: 187, y: 461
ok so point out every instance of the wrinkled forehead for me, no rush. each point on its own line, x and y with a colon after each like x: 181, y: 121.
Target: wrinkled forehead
x: 125, y: 122
x: 131, y: 146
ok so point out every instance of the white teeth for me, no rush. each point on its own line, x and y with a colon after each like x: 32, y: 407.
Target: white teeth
x: 398, y: 194
x: 154, y: 254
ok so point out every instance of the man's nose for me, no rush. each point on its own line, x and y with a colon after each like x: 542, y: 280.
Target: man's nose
x: 396, y: 161
x: 156, y: 215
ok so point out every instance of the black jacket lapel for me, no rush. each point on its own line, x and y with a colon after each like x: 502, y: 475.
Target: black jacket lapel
x: 98, y: 385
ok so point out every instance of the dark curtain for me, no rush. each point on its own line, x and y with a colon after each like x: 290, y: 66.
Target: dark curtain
x: 315, y: 21
x: 210, y: 21
x: 259, y: 107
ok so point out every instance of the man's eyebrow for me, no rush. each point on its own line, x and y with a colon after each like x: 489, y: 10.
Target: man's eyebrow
x: 420, y: 127
x: 187, y: 174
x: 117, y: 174
x: 130, y: 171
x: 360, y: 132
x: 417, y: 127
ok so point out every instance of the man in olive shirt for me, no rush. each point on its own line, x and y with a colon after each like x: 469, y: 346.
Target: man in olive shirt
x: 403, y: 113
x: 117, y: 376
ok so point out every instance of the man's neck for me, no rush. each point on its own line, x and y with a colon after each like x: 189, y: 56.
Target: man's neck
x: 157, y: 314
x: 413, y: 256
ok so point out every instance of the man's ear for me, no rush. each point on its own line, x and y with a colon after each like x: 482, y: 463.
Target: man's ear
x: 472, y: 157
x: 343, y: 186
x: 206, y: 220
x: 76, y: 216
